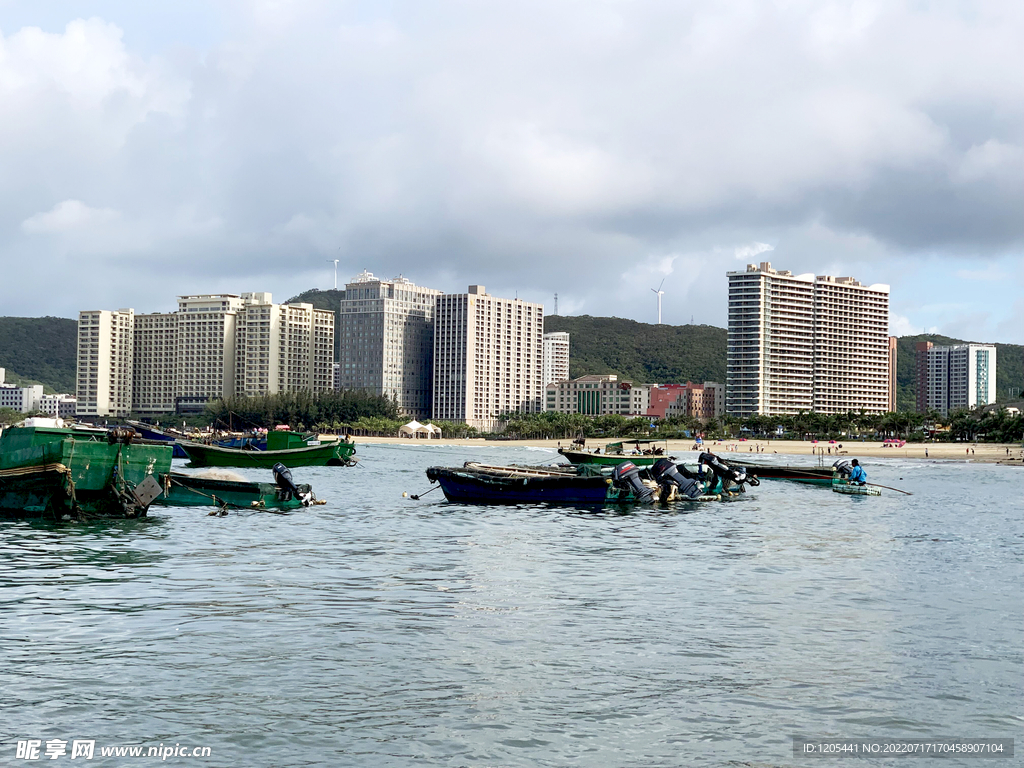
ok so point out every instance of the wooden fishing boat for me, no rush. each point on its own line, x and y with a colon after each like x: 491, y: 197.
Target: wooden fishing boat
x: 643, y: 453
x: 294, y: 449
x: 812, y: 475
x: 854, y: 489
x: 74, y: 473
x: 565, y: 485
x: 185, y: 490
x: 149, y: 432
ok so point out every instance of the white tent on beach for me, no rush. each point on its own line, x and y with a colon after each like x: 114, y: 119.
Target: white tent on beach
x: 416, y: 430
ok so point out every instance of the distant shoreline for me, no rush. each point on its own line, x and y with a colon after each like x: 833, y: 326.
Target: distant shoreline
x: 989, y: 453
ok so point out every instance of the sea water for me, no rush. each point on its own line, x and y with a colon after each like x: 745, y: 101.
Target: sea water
x: 377, y: 630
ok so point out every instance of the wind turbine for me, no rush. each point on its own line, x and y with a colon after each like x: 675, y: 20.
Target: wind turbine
x: 335, y: 271
x: 660, y: 294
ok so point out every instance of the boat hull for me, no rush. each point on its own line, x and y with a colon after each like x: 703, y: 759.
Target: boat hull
x: 607, y: 459
x: 181, y: 490
x: 338, y: 453
x: 464, y: 486
x: 58, y: 473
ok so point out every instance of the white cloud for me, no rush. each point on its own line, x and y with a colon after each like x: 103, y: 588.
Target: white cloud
x: 67, y: 216
x: 531, y: 146
x: 902, y: 326
x: 744, y: 252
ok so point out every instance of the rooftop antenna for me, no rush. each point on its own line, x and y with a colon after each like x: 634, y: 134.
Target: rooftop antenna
x: 335, y: 271
x: 556, y: 303
x: 660, y: 294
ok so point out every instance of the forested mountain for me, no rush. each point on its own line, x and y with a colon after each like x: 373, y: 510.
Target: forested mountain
x: 664, y: 354
x: 40, y: 349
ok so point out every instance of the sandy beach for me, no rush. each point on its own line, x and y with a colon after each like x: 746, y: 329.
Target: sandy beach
x: 991, y: 453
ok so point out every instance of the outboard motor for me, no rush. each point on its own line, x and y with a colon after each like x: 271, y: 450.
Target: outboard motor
x: 283, y: 478
x: 666, y: 474
x: 723, y: 471
x: 843, y: 469
x: 626, y: 476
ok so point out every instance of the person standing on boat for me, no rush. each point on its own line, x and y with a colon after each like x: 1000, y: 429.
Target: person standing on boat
x: 858, y: 476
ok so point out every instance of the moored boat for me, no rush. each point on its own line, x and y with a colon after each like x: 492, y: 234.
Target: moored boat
x: 577, y: 485
x: 149, y: 432
x: 643, y: 453
x: 217, y: 488
x: 48, y: 470
x: 294, y: 449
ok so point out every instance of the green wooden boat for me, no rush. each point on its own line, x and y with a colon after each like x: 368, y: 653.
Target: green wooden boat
x: 643, y: 453
x: 182, y: 490
x: 73, y: 473
x: 293, y: 449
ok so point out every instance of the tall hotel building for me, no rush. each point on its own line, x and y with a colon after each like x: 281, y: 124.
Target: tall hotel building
x: 282, y: 347
x: 214, y: 346
x: 800, y: 342
x: 555, y: 365
x: 960, y: 376
x: 105, y: 362
x: 386, y: 332
x: 487, y: 357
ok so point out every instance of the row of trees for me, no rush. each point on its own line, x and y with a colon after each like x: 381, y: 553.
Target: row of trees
x: 300, y: 410
x: 972, y: 425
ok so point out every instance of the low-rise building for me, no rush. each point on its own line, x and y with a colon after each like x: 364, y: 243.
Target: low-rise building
x: 598, y: 396
x: 22, y: 399
x: 703, y: 401
x: 58, y: 406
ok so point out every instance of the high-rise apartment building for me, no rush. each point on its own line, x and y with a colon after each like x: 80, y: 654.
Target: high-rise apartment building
x: 214, y: 346
x: 487, y: 357
x: 555, y: 364
x: 105, y: 362
x: 386, y: 333
x: 959, y: 376
x: 800, y: 342
x: 155, y: 358
x: 282, y: 347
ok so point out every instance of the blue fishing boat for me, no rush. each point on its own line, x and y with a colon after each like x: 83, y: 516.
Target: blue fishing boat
x: 573, y: 485
x: 155, y: 434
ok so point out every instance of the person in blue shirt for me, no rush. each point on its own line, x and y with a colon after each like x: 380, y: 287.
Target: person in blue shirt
x: 858, y: 475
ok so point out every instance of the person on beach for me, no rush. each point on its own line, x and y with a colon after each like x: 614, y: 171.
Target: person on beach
x: 858, y: 476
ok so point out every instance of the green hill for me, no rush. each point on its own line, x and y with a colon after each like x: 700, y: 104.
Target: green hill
x: 40, y: 349
x: 666, y: 354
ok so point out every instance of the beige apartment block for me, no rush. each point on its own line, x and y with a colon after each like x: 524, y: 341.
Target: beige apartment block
x: 556, y: 357
x: 105, y: 362
x: 155, y: 354
x: 386, y: 335
x: 205, y: 348
x: 800, y: 342
x: 282, y: 347
x: 487, y: 357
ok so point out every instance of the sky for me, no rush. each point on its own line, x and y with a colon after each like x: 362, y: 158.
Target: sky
x: 595, y: 150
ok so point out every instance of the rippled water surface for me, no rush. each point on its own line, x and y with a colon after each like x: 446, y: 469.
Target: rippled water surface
x: 381, y: 631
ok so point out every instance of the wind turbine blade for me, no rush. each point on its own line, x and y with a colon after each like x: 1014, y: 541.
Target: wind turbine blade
x: 661, y: 284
